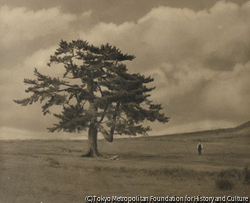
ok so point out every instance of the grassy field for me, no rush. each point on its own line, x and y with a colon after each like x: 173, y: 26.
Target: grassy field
x: 52, y: 171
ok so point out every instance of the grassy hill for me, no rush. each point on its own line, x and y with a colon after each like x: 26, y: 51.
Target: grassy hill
x: 53, y: 171
x: 243, y: 129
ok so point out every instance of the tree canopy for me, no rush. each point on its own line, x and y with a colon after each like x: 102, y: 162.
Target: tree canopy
x: 95, y: 91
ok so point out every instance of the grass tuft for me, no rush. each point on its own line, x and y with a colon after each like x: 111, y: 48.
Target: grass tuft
x: 232, y: 173
x: 53, y: 162
x: 97, y: 169
x: 224, y: 184
x: 246, y: 175
x: 122, y: 169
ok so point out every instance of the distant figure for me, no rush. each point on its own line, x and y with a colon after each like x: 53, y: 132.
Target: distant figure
x: 199, y: 147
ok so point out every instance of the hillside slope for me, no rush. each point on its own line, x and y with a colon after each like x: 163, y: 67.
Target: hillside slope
x: 243, y: 129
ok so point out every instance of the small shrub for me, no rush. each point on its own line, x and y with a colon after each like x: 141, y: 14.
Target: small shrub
x: 122, y: 169
x: 246, y: 175
x: 224, y: 184
x: 233, y: 173
x: 97, y: 169
x: 166, y: 171
x: 53, y: 162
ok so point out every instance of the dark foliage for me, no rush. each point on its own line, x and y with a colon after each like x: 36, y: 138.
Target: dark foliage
x: 95, y: 88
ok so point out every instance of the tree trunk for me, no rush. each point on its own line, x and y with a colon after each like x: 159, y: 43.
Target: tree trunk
x: 92, y: 142
x: 92, y: 137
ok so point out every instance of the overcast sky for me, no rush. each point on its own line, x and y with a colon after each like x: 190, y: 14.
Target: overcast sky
x: 198, y: 52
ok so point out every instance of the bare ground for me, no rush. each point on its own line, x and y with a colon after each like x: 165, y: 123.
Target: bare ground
x: 52, y: 171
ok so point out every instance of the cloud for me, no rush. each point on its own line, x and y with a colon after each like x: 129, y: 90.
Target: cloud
x: 39, y: 60
x: 109, y: 32
x: 176, y: 80
x: 12, y: 87
x: 86, y: 14
x: 20, y: 24
x: 227, y: 95
x: 25, y: 68
x: 199, y: 59
x: 194, y: 57
x: 217, y: 38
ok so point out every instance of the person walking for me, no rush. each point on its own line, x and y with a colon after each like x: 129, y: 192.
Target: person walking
x: 199, y: 147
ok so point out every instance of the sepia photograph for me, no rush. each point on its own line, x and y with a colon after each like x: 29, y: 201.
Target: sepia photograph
x: 130, y: 101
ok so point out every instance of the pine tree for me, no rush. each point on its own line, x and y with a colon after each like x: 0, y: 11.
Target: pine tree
x: 95, y: 92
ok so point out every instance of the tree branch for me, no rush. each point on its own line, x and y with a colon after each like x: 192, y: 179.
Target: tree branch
x: 103, y: 114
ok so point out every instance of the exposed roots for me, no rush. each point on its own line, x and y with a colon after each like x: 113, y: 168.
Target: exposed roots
x: 90, y: 153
